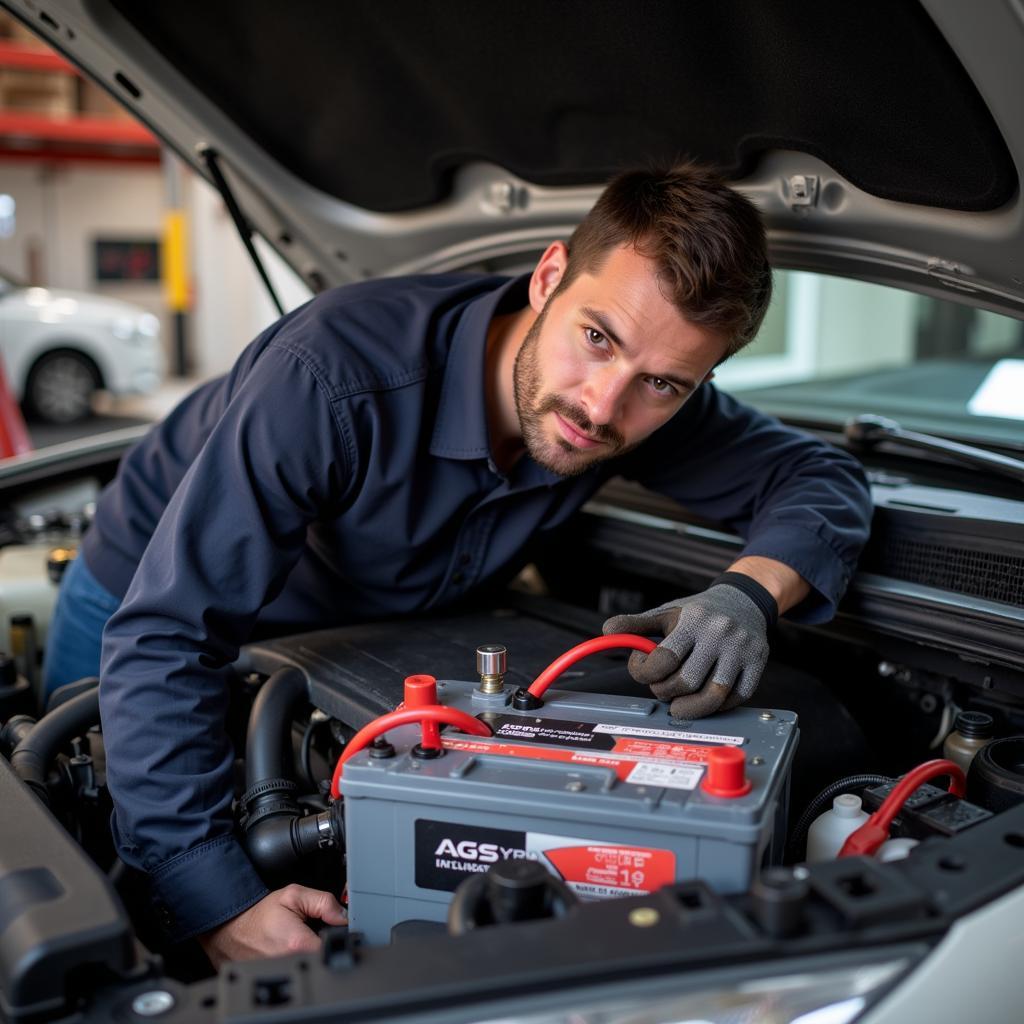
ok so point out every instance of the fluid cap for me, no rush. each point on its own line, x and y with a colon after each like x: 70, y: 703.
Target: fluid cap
x: 726, y: 775
x: 974, y: 725
x: 420, y: 691
x: 847, y: 805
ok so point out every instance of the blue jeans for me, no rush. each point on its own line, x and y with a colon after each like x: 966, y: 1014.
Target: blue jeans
x: 76, y: 630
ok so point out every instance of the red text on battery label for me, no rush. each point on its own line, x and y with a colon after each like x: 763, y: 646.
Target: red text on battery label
x: 615, y: 869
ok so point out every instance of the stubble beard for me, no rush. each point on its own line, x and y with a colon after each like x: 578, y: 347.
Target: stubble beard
x: 556, y: 455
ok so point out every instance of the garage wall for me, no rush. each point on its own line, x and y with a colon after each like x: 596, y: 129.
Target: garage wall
x: 231, y: 302
x: 62, y: 208
x: 22, y: 182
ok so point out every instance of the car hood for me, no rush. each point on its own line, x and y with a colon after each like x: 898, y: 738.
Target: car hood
x: 882, y: 141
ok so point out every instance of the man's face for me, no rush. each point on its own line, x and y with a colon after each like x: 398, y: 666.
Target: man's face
x: 607, y: 361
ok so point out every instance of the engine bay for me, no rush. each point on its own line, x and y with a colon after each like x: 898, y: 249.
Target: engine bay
x: 497, y: 805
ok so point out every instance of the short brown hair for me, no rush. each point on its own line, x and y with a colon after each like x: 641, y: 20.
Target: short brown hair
x: 707, y: 240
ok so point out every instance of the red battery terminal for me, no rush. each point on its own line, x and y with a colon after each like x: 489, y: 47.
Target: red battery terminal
x: 726, y: 775
x: 420, y: 706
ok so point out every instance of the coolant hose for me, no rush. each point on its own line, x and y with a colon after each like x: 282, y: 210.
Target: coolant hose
x: 14, y: 731
x: 277, y: 836
x: 32, y: 756
x: 268, y: 740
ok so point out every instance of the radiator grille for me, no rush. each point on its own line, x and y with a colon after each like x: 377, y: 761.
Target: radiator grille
x: 986, y: 574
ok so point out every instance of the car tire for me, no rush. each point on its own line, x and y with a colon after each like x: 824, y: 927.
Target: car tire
x: 60, y: 387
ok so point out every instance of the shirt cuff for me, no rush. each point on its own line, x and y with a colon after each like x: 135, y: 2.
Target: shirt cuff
x: 814, y: 559
x: 203, y: 887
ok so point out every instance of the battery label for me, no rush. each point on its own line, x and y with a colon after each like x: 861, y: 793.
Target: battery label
x: 446, y: 854
x: 623, y: 759
x: 669, y: 734
x: 553, y: 731
x: 674, y: 776
x: 593, y: 735
x: 599, y: 871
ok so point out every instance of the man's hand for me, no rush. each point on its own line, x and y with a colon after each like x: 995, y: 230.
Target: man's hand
x: 714, y: 650
x: 273, y: 927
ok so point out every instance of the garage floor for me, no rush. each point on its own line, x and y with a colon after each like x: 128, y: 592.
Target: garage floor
x: 114, y: 414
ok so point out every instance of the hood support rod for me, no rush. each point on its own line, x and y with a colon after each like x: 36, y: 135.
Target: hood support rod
x: 220, y: 183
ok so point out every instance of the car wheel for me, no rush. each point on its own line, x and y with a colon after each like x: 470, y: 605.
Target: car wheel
x: 60, y: 387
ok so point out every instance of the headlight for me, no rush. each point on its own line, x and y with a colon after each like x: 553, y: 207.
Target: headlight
x: 149, y: 325
x: 141, y: 329
x: 123, y: 327
x: 829, y: 997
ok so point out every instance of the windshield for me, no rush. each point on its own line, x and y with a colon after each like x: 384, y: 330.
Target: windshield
x: 832, y: 348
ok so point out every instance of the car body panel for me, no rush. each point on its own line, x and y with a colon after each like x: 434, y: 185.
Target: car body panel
x: 490, y: 214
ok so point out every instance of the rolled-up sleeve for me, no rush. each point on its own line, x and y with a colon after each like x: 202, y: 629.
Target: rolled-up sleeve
x: 791, y: 496
x: 275, y: 461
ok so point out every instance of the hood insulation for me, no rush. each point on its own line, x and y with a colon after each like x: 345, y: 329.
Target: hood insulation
x: 378, y: 102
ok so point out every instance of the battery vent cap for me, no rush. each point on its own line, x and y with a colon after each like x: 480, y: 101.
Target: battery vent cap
x: 420, y: 691
x: 726, y: 775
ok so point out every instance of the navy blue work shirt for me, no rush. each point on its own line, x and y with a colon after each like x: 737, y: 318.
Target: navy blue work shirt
x: 341, y: 472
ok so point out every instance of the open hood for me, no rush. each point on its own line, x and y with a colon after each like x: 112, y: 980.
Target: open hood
x: 882, y: 140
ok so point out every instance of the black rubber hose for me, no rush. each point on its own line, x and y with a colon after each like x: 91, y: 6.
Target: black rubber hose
x: 32, y: 756
x: 277, y: 845
x: 14, y: 731
x: 277, y: 836
x: 268, y: 745
x: 825, y: 797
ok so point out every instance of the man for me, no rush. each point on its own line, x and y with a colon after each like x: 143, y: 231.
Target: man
x: 393, y: 444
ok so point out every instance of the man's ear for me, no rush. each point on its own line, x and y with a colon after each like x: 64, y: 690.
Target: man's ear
x: 547, y: 274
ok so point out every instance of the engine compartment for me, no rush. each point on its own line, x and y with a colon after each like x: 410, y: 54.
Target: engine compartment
x: 847, y: 704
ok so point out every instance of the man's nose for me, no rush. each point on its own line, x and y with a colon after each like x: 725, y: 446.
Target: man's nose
x: 603, y: 395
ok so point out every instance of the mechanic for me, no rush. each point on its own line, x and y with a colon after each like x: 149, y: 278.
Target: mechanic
x: 393, y: 445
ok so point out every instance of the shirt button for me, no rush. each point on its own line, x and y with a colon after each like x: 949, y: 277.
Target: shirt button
x: 164, y: 916
x: 458, y: 577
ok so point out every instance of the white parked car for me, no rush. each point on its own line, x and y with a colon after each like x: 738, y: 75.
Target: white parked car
x: 60, y: 347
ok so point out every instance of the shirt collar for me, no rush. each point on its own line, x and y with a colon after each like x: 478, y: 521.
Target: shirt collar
x: 460, y: 429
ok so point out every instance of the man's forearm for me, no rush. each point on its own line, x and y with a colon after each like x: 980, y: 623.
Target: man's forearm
x: 786, y: 585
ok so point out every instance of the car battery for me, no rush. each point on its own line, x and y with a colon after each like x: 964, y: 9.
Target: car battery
x: 610, y: 793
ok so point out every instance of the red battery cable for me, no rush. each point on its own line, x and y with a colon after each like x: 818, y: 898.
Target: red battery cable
x: 432, y: 714
x: 599, y: 643
x: 409, y: 716
x: 869, y: 837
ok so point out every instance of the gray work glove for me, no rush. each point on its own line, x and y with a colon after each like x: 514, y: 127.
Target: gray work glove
x: 715, y: 646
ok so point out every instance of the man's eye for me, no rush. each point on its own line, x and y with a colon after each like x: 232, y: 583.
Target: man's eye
x: 595, y: 337
x: 661, y: 387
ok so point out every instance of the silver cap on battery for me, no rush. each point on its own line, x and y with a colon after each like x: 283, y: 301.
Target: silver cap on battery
x: 491, y: 663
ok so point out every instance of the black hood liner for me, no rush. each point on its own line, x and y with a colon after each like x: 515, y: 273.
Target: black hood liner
x: 378, y: 102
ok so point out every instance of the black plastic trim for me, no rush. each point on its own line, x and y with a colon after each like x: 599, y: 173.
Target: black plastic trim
x: 60, y: 919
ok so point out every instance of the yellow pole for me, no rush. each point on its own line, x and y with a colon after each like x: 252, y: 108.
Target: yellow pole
x: 175, y: 261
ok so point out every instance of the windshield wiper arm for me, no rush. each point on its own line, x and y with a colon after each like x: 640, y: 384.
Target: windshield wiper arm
x: 866, y: 431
